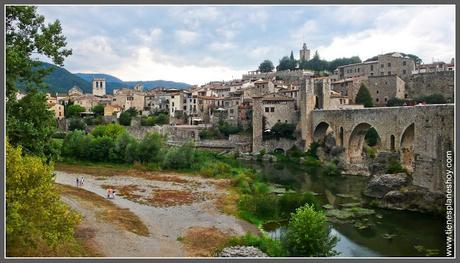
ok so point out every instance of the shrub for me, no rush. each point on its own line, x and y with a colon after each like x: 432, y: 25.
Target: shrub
x: 209, y: 134
x: 111, y: 130
x: 226, y: 128
x: 180, y: 157
x: 312, y: 150
x: 280, y: 130
x: 35, y: 215
x: 125, y: 149
x: 126, y: 116
x: 308, y: 234
x: 330, y: 169
x: 73, y: 110
x: 394, y: 166
x: 77, y: 124
x: 260, y: 206
x: 100, y: 148
x: 433, y: 99
x: 371, y: 137
x: 98, y: 110
x: 395, y: 102
x: 76, y: 145
x: 150, y: 148
x: 295, y: 152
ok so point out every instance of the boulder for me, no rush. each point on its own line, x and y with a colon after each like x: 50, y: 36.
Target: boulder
x: 242, y: 251
x: 414, y: 198
x: 380, y: 185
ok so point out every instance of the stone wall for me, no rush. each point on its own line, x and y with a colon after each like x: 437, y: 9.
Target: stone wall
x: 383, y: 88
x: 425, y: 84
x: 282, y: 143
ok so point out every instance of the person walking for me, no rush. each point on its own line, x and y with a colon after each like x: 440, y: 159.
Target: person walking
x: 81, y: 181
x: 78, y: 181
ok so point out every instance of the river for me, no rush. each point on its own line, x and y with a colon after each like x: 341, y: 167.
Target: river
x: 414, y: 234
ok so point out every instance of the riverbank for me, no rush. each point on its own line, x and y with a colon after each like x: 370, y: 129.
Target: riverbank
x: 176, y: 210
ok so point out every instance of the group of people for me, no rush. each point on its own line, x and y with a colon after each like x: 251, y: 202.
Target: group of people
x: 79, y: 181
x: 110, y: 193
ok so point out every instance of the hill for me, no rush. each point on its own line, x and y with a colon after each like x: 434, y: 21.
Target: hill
x: 61, y: 80
x: 89, y: 77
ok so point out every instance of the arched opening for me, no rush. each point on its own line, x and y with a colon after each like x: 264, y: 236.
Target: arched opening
x: 407, y: 148
x: 357, y: 141
x: 392, y: 143
x: 321, y: 130
x: 341, y: 136
x: 279, y: 151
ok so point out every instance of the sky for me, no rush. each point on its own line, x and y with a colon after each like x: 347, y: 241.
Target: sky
x: 197, y: 44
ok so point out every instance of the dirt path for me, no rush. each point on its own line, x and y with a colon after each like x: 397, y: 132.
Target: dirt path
x: 169, y: 205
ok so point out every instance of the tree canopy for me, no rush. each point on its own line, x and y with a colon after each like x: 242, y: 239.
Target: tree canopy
x: 364, y: 97
x: 286, y: 64
x: 266, y: 66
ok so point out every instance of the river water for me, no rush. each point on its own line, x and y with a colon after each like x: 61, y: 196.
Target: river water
x: 414, y: 234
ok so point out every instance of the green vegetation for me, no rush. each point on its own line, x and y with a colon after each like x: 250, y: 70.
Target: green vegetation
x: 37, y: 221
x: 126, y: 116
x: 364, y: 97
x: 432, y: 99
x: 76, y: 124
x: 287, y: 63
x: 280, y: 130
x: 266, y: 66
x: 271, y: 247
x: 98, y: 110
x: 372, y: 137
x: 74, y: 110
x: 394, y: 166
x: 159, y: 118
x: 309, y: 235
x: 210, y: 133
x: 111, y: 130
x: 393, y: 102
x: 226, y: 128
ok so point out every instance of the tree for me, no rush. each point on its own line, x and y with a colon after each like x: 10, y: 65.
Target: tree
x: 308, y: 234
x: 149, y: 149
x: 35, y: 215
x: 126, y: 116
x: 433, y: 99
x: 266, y: 66
x: 77, y: 124
x: 291, y: 57
x: 100, y: 148
x: 74, y: 111
x: 111, y: 130
x: 364, y: 97
x: 395, y: 102
x: 98, y: 110
x: 287, y: 64
x: 31, y: 124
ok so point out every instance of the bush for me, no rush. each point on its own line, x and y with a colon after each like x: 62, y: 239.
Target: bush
x: 76, y: 124
x: 36, y: 218
x: 280, y: 130
x: 98, y: 110
x: 313, y: 149
x: 330, y: 169
x: 371, y: 137
x: 73, y: 110
x: 271, y: 247
x: 209, y: 134
x: 226, y: 128
x: 433, y: 99
x: 126, y: 116
x: 76, y: 145
x: 394, y: 166
x: 150, y: 148
x: 180, y: 157
x: 125, y: 149
x: 94, y: 120
x: 111, y: 130
x: 308, y: 234
x: 295, y: 152
x: 259, y: 206
x: 395, y: 102
x: 100, y: 148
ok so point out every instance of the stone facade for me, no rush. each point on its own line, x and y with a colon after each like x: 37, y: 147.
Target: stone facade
x: 304, y: 53
x: 277, y: 109
x: 99, y: 87
x: 383, y: 88
x: 348, y: 87
x: 425, y: 84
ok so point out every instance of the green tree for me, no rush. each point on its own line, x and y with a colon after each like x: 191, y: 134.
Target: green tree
x: 286, y: 64
x: 111, y: 130
x: 98, y: 110
x: 77, y: 124
x: 395, y: 102
x: 266, y: 66
x: 100, y: 148
x: 371, y: 137
x: 180, y: 157
x: 125, y: 149
x: 35, y: 215
x: 291, y: 57
x: 74, y: 110
x: 364, y: 97
x: 76, y: 145
x: 433, y: 99
x: 150, y: 147
x: 308, y: 234
x: 126, y: 116
x: 31, y: 124
x: 226, y: 128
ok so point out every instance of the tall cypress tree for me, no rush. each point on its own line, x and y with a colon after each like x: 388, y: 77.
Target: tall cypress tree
x: 364, y: 97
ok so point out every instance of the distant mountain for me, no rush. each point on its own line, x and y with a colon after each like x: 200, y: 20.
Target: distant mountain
x: 61, y: 80
x: 89, y: 77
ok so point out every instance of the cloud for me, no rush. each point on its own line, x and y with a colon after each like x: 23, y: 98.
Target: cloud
x: 221, y: 46
x: 185, y: 36
x: 424, y: 32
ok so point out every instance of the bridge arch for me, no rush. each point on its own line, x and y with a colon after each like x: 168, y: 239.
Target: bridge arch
x: 407, y: 147
x: 356, y: 141
x: 321, y: 130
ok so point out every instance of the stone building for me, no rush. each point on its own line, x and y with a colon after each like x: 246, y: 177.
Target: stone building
x: 384, y: 88
x: 304, y: 53
x: 347, y: 87
x: 75, y: 91
x: 434, y: 67
x: 99, y: 87
x: 386, y: 64
x: 260, y: 88
x: 58, y: 110
x: 426, y: 84
x: 111, y: 110
x: 277, y: 108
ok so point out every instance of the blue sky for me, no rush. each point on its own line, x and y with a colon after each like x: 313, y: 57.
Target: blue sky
x: 197, y: 44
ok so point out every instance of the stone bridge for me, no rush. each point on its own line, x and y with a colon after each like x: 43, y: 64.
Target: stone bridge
x: 421, y: 134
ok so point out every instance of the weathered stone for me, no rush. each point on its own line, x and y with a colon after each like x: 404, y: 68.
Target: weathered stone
x: 414, y: 198
x: 242, y: 251
x: 381, y: 185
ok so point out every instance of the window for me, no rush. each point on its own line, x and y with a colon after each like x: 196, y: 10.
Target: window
x: 267, y: 109
x: 172, y: 97
x: 231, y: 111
x: 389, y: 65
x: 404, y: 63
x: 404, y: 71
x: 272, y: 109
x: 405, y: 96
x: 385, y: 99
x: 372, y: 68
x: 372, y: 73
x: 382, y: 73
x: 377, y: 92
x: 377, y: 99
x: 381, y: 65
x: 389, y: 72
x: 173, y: 104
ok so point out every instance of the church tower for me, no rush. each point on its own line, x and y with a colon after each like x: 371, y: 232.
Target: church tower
x: 304, y: 53
x: 99, y: 87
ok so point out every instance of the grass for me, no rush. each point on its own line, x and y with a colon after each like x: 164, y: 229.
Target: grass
x: 108, y: 211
